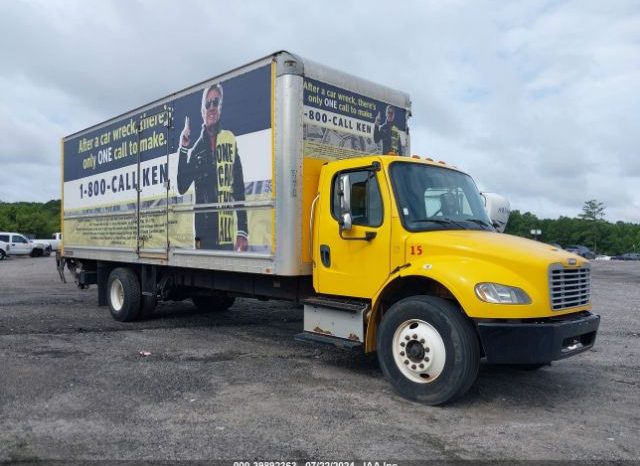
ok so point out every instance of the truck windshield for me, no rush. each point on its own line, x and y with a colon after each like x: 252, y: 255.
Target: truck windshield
x: 437, y: 198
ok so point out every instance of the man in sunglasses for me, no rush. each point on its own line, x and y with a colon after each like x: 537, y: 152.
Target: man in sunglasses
x: 213, y: 165
x: 388, y: 133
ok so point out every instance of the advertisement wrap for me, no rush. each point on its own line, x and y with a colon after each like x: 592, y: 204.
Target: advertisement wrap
x: 339, y: 123
x: 193, y: 173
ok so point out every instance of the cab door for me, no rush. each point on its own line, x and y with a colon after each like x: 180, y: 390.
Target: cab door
x: 352, y: 261
x: 19, y: 245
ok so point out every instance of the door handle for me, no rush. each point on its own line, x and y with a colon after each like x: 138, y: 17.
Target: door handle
x: 325, y: 255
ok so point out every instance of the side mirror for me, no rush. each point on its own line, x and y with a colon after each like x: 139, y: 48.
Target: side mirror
x: 346, y: 221
x: 345, y: 202
x: 498, y: 209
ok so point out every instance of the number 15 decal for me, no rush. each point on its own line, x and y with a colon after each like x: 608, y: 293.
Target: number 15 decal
x: 416, y: 250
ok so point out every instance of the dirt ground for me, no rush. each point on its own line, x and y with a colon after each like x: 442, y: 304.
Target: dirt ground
x: 236, y: 386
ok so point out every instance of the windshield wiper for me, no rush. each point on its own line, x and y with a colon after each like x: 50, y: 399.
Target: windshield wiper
x: 479, y: 222
x: 441, y: 221
x: 458, y: 223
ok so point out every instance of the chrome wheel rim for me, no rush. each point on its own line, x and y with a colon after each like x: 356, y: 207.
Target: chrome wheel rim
x: 117, y: 295
x: 419, y: 351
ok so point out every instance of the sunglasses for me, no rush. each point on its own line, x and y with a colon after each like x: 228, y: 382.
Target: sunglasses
x: 212, y: 103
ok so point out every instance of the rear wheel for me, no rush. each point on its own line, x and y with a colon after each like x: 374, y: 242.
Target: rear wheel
x: 123, y: 292
x: 213, y: 303
x: 2, y: 254
x: 428, y: 350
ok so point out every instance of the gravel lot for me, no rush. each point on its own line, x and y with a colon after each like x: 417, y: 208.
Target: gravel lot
x: 237, y: 386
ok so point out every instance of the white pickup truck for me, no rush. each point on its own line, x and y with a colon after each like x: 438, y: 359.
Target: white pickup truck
x: 21, y: 245
x: 53, y: 242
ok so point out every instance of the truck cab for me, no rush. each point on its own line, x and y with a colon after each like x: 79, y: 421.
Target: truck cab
x: 439, y: 288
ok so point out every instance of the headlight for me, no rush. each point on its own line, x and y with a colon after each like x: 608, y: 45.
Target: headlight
x: 495, y: 293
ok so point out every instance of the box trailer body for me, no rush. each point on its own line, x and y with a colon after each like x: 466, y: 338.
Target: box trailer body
x: 285, y: 115
x: 287, y: 179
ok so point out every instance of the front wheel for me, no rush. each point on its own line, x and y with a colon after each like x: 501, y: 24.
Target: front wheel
x: 428, y: 350
x: 2, y: 254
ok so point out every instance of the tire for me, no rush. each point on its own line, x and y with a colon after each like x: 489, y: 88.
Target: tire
x: 123, y: 294
x: 428, y: 350
x: 2, y: 254
x: 213, y: 303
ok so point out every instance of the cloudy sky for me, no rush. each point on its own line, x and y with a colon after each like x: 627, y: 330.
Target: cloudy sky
x: 538, y: 100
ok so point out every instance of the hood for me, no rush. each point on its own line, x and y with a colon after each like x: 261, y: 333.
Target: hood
x: 487, y: 245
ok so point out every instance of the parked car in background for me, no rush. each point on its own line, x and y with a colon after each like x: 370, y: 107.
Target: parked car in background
x: 53, y: 242
x: 581, y: 251
x: 21, y: 245
x: 627, y: 256
x: 4, y: 249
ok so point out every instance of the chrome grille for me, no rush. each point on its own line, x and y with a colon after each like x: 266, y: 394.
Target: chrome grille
x: 569, y: 287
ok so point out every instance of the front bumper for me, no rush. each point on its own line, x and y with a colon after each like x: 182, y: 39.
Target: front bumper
x: 537, y: 341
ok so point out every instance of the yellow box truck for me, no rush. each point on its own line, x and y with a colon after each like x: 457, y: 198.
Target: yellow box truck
x: 286, y: 179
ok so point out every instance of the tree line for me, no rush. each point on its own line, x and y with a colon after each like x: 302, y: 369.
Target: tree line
x: 588, y: 229
x: 31, y: 218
